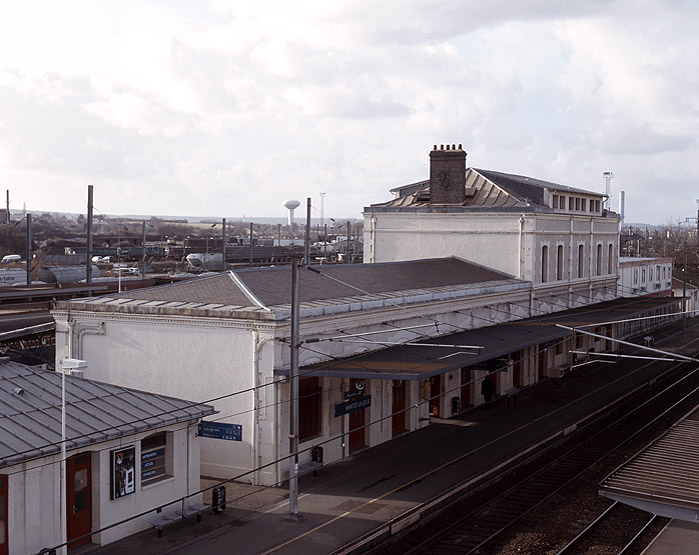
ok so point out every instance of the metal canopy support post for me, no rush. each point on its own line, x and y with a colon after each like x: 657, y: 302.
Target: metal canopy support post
x: 294, y: 515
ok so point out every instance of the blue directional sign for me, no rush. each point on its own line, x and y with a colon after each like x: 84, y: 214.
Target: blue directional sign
x: 220, y: 430
x: 357, y: 403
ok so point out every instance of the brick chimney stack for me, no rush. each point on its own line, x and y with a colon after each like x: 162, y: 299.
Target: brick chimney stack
x: 447, y: 175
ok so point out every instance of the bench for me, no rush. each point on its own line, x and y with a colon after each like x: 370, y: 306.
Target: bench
x: 511, y: 393
x: 311, y: 466
x: 165, y: 519
x: 314, y: 464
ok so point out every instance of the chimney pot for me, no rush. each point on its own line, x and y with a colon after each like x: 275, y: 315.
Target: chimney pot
x: 448, y: 176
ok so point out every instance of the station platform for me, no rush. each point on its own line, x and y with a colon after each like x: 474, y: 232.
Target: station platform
x: 352, y: 497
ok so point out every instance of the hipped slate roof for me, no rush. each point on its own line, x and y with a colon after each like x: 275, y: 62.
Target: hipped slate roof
x: 485, y: 189
x: 30, y: 412
x: 260, y: 292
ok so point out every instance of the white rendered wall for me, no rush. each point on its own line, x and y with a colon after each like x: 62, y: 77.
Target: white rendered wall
x: 190, y: 358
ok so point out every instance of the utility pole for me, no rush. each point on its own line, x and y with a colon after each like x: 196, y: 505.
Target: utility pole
x: 349, y: 243
x: 7, y: 214
x: 223, y: 244
x: 88, y: 277
x: 294, y: 515
x: 143, y: 265
x: 29, y: 249
x: 325, y: 242
x: 307, y: 243
x: 251, y: 244
x: 684, y: 294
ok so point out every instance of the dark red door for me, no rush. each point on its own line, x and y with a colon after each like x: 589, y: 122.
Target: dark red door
x: 542, y: 362
x: 78, y: 486
x: 356, y: 434
x: 435, y: 390
x: 4, y: 542
x: 465, y: 386
x: 518, y: 381
x: 398, y: 407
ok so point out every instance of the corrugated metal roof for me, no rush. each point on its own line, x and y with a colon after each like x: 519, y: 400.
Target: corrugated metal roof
x: 416, y: 362
x: 663, y: 478
x: 30, y: 412
x: 220, y: 295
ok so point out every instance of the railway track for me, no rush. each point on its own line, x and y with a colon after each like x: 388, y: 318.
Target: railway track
x: 626, y: 525
x: 484, y: 521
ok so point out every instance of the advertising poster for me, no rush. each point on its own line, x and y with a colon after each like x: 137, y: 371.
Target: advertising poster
x: 123, y: 463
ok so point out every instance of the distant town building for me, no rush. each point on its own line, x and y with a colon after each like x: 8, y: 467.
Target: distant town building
x: 644, y: 276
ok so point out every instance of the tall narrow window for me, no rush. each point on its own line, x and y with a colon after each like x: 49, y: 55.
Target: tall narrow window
x: 581, y: 257
x: 310, y: 402
x: 583, y: 204
x: 559, y: 263
x: 571, y: 203
x: 577, y: 203
x: 599, y: 260
x: 544, y: 263
x: 610, y: 259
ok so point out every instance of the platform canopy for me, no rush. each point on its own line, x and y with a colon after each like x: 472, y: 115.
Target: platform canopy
x: 663, y: 478
x: 420, y: 361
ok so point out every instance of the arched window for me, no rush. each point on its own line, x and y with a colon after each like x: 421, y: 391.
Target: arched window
x: 599, y: 260
x: 544, y: 263
x: 581, y: 258
x: 559, y: 262
x: 610, y: 259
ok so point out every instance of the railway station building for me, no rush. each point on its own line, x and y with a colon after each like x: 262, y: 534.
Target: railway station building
x: 385, y: 348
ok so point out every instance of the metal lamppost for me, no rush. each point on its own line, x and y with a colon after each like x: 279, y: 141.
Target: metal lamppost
x: 67, y: 365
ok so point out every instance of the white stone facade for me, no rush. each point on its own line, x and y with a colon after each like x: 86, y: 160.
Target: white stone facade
x: 206, y: 358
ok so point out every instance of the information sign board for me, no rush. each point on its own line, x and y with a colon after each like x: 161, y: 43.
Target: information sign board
x: 221, y: 430
x: 358, y: 403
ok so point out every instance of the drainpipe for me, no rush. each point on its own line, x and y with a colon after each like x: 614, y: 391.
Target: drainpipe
x: 521, y: 245
x: 255, y: 448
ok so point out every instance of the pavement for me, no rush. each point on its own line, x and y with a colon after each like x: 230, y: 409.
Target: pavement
x: 375, y: 488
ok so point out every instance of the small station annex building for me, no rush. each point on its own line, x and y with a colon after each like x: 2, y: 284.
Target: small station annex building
x: 128, y: 452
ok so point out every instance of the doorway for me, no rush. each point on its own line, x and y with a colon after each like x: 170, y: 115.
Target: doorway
x: 435, y: 397
x: 78, y: 493
x: 398, y: 408
x: 4, y: 542
x: 357, y: 431
x: 465, y: 387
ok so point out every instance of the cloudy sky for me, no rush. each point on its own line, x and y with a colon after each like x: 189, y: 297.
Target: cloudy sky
x: 227, y: 108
